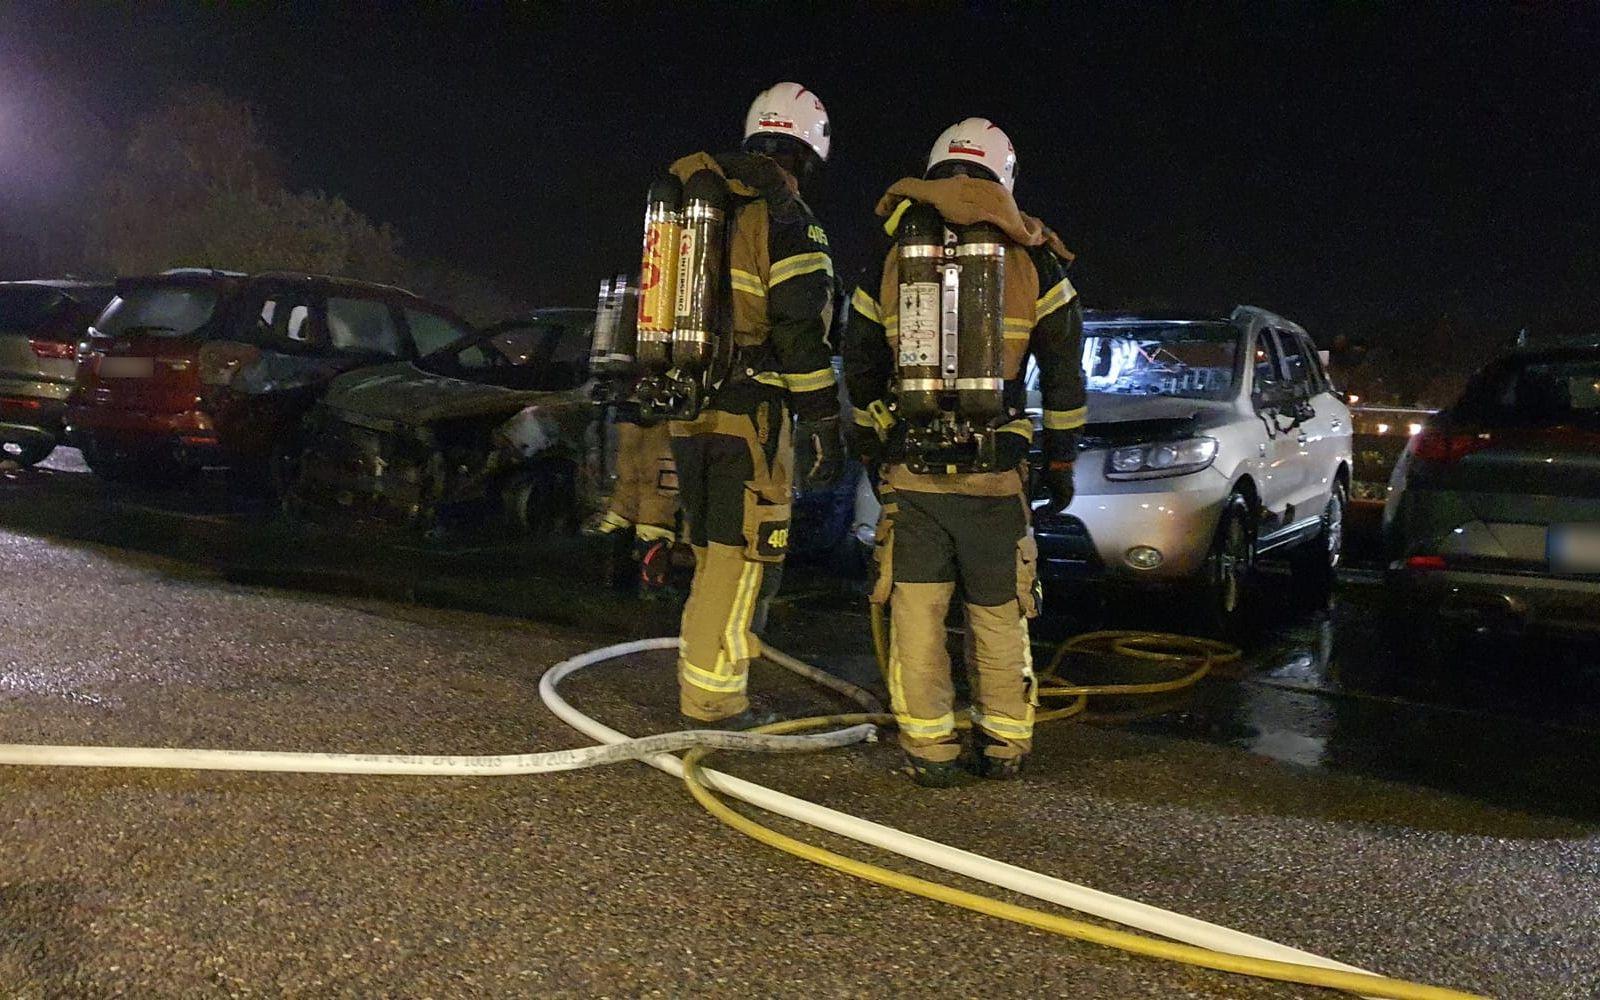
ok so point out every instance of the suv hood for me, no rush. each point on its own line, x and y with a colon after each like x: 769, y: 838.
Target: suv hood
x: 1127, y: 418
x: 401, y: 394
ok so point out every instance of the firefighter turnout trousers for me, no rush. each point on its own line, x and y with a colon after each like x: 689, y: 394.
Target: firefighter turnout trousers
x: 646, y: 494
x: 938, y: 543
x: 734, y: 485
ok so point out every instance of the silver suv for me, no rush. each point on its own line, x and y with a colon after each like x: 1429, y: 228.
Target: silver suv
x: 1210, y: 442
x: 41, y: 323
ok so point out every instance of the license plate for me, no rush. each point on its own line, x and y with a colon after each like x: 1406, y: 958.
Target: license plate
x: 1574, y: 548
x: 125, y: 368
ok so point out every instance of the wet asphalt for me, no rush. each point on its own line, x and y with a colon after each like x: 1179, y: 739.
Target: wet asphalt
x: 1437, y: 824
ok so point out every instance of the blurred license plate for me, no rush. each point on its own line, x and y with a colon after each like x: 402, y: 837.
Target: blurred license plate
x: 125, y: 368
x: 1574, y: 548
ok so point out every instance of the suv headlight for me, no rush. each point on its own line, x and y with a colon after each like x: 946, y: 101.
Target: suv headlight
x: 1161, y: 458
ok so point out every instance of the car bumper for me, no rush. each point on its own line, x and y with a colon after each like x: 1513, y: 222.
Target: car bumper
x: 26, y: 419
x: 190, y: 436
x: 1091, y: 540
x: 1500, y: 602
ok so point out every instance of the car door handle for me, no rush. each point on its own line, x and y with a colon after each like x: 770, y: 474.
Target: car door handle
x: 1336, y: 423
x: 1300, y: 438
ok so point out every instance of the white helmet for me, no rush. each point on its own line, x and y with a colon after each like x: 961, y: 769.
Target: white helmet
x: 792, y: 110
x: 980, y: 141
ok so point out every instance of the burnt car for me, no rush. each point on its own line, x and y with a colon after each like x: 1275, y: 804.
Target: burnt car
x: 497, y: 419
x: 1493, y: 517
x: 41, y: 323
x: 197, y: 367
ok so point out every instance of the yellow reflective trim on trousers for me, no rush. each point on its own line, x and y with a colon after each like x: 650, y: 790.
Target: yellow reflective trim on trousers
x: 735, y: 646
x: 1054, y: 299
x: 794, y: 267
x: 651, y: 532
x: 866, y: 305
x: 770, y: 378
x: 747, y: 282
x: 1004, y: 726
x: 1018, y: 329
x: 926, y: 729
x: 1021, y: 425
x: 709, y: 681
x: 891, y: 225
x: 822, y: 378
x: 1065, y: 420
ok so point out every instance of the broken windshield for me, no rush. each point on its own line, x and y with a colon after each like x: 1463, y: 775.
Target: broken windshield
x: 1193, y: 360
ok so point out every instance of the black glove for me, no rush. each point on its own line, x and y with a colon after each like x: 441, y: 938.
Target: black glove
x: 827, y: 464
x: 866, y: 446
x: 1058, y: 483
x: 1060, y: 448
x: 1011, y: 450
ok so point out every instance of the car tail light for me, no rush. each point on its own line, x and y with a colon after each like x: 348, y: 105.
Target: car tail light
x: 1445, y: 447
x: 1426, y: 563
x: 52, y: 349
x: 21, y: 403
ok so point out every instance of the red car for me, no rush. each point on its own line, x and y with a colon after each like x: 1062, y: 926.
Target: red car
x: 195, y: 368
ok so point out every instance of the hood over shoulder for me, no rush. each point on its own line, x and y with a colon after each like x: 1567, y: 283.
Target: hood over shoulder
x: 966, y: 200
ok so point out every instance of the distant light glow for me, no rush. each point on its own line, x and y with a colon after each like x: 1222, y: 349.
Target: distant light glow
x: 1415, y: 429
x: 1383, y: 428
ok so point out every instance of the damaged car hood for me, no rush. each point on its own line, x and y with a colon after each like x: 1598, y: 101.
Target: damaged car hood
x: 401, y: 394
x: 1115, y: 416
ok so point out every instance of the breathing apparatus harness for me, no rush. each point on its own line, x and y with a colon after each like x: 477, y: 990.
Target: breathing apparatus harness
x: 948, y: 392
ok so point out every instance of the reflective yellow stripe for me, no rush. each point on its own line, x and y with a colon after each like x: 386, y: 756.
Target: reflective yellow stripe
x: 927, y: 729
x: 879, y: 411
x: 651, y: 532
x: 770, y: 378
x: 708, y: 681
x: 1022, y: 425
x: 1065, y: 420
x: 866, y: 305
x: 1004, y: 726
x: 862, y: 418
x: 736, y: 635
x: 745, y: 281
x: 613, y: 522
x: 892, y: 224
x: 822, y: 378
x: 794, y: 267
x: 1054, y: 299
x: 1018, y: 329
x: 891, y: 326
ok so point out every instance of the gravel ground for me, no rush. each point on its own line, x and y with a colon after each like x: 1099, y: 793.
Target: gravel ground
x: 614, y: 883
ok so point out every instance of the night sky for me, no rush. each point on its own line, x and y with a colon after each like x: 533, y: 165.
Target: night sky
x: 1360, y: 167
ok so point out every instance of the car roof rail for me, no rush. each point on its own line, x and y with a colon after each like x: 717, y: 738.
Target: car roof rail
x: 213, y: 271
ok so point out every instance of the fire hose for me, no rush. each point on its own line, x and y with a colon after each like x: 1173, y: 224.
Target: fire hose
x: 1190, y: 941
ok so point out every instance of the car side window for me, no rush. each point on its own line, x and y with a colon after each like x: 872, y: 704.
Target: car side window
x: 363, y: 326
x: 1296, y: 363
x: 430, y: 331
x: 1268, y: 369
x: 1320, y: 382
x: 283, y: 320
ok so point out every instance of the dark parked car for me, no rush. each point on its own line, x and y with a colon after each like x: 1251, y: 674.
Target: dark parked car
x: 1493, y: 516
x: 194, y: 368
x: 41, y: 323
x: 497, y: 418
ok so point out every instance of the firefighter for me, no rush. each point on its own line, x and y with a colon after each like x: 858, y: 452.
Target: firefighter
x: 735, y: 458
x: 949, y: 527
x: 645, y: 500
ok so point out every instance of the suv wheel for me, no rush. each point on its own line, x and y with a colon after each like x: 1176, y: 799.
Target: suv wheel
x: 1315, y: 563
x: 1229, y: 572
x: 26, y: 455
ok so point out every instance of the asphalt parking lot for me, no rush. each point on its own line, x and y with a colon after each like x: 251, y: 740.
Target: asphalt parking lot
x: 1437, y: 825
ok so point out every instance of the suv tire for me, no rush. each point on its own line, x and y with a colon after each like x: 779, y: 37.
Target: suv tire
x: 1228, y: 577
x: 1315, y: 562
x: 28, y: 455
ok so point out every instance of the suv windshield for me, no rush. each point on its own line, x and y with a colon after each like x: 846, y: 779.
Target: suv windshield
x: 541, y: 354
x: 24, y: 307
x: 158, y: 310
x: 1187, y: 359
x: 1537, y: 393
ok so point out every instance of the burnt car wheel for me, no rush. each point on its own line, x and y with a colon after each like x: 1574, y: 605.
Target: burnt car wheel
x: 1315, y: 564
x: 1229, y: 573
x: 26, y: 455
